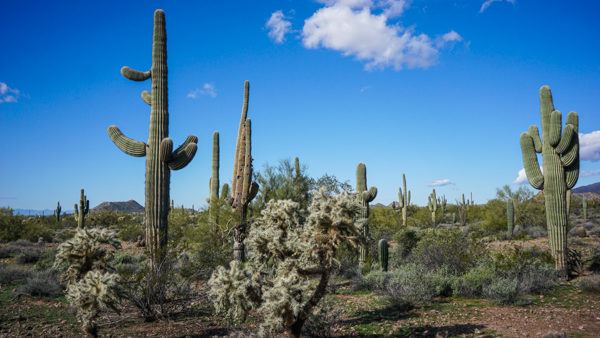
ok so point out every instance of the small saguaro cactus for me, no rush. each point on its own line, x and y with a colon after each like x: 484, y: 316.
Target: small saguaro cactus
x: 432, y: 203
x: 83, y: 209
x: 510, y: 216
x: 463, y: 207
x: 243, y: 188
x: 297, y: 168
x: 453, y: 218
x: 383, y: 254
x: 57, y: 212
x: 584, y: 208
x: 225, y: 192
x: 443, y: 202
x: 214, y: 180
x: 404, y: 200
x: 365, y: 196
x: 159, y: 153
x: 560, y: 154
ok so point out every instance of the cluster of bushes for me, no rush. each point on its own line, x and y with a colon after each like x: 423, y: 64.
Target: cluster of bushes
x: 443, y: 262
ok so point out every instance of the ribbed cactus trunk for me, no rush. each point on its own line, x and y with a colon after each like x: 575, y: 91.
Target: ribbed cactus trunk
x: 383, y: 254
x: 82, y: 210
x: 463, y: 207
x: 243, y: 188
x: 432, y: 204
x: 214, y: 180
x: 560, y: 155
x: 404, y: 200
x: 510, y: 216
x: 160, y: 156
x: 365, y: 196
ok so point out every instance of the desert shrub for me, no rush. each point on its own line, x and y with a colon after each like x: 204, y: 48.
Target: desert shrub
x: 130, y: 231
x: 471, y: 284
x: 46, y: 260
x: 10, y: 274
x: 503, y: 290
x: 10, y: 250
x: 41, y: 284
x: 347, y: 263
x: 536, y: 232
x: 590, y: 284
x: 414, y: 284
x: 494, y: 216
x: 406, y: 240
x: 375, y: 280
x: 594, y: 259
x: 321, y: 321
x: 290, y: 261
x: 13, y: 228
x: 445, y: 248
x: 29, y: 256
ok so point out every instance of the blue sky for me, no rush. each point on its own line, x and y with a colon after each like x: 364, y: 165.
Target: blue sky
x: 439, y: 90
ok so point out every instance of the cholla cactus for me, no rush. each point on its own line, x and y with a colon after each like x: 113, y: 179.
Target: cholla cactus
x: 94, y: 292
x: 289, y: 262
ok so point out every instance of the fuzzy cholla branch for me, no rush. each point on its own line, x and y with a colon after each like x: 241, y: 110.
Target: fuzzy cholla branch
x: 289, y: 262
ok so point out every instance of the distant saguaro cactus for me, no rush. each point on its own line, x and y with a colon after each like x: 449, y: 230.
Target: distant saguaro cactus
x: 214, y: 180
x: 243, y: 188
x: 463, y: 207
x: 57, y: 212
x: 383, y: 254
x: 510, y: 216
x: 560, y: 154
x: 365, y: 196
x: 432, y: 204
x: 443, y: 202
x: 584, y: 208
x: 404, y: 200
x: 160, y: 156
x: 83, y: 209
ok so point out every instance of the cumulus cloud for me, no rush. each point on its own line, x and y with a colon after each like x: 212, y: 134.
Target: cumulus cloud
x: 487, y: 3
x: 8, y: 94
x: 361, y: 29
x: 441, y: 183
x: 207, y: 89
x: 278, y: 27
x: 589, y: 146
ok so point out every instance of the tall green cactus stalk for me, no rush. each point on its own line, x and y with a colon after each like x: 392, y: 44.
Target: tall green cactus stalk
x: 404, y: 200
x: 432, y: 203
x: 510, y: 216
x: 463, y: 207
x: 383, y: 254
x: 83, y: 209
x: 297, y: 168
x: 453, y: 218
x: 214, y: 181
x: 569, y: 196
x: 560, y: 155
x: 442, y: 202
x: 225, y: 192
x: 365, y: 196
x: 57, y: 212
x: 584, y: 208
x: 160, y: 156
x: 243, y: 188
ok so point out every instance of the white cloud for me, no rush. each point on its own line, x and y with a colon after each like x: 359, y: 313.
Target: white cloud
x: 522, y: 177
x: 8, y: 94
x: 589, y: 146
x: 207, y: 89
x: 590, y: 173
x: 360, y: 28
x: 487, y: 3
x: 278, y: 27
x: 440, y: 183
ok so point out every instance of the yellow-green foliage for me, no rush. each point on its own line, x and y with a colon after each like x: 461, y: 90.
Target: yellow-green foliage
x: 289, y: 262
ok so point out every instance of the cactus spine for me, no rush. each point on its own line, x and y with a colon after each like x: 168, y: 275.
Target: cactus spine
x: 365, y: 196
x: 404, y: 199
x: 214, y: 180
x: 510, y: 216
x: 82, y: 210
x: 560, y: 154
x: 243, y: 188
x: 160, y: 156
x: 432, y: 203
x: 584, y: 208
x: 383, y: 254
x: 57, y: 212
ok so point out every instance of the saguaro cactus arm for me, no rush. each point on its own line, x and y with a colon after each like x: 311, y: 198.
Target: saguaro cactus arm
x: 127, y: 145
x: 530, y: 161
x: 147, y: 97
x: 135, y: 75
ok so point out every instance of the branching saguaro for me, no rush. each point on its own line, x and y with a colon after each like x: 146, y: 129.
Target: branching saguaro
x: 463, y: 208
x: 560, y: 155
x: 214, y: 181
x: 366, y: 197
x: 404, y: 200
x: 432, y: 204
x: 243, y: 188
x: 57, y: 212
x: 159, y: 153
x: 83, y: 209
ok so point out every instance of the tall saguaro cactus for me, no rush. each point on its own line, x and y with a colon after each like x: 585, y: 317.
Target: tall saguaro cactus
x: 463, y: 207
x: 82, y: 210
x: 365, y: 196
x: 160, y: 156
x: 404, y: 199
x: 57, y: 212
x: 432, y: 204
x: 510, y: 216
x: 560, y: 155
x: 243, y: 188
x: 214, y: 180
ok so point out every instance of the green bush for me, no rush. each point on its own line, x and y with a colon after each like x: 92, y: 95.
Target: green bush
x: 41, y: 284
x: 10, y: 274
x: 471, y: 284
x: 414, y: 284
x: 590, y: 284
x: 29, y: 256
x: 502, y: 290
x: 406, y: 240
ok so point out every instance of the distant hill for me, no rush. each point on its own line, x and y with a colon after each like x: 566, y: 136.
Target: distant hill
x: 129, y: 206
x: 593, y: 188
